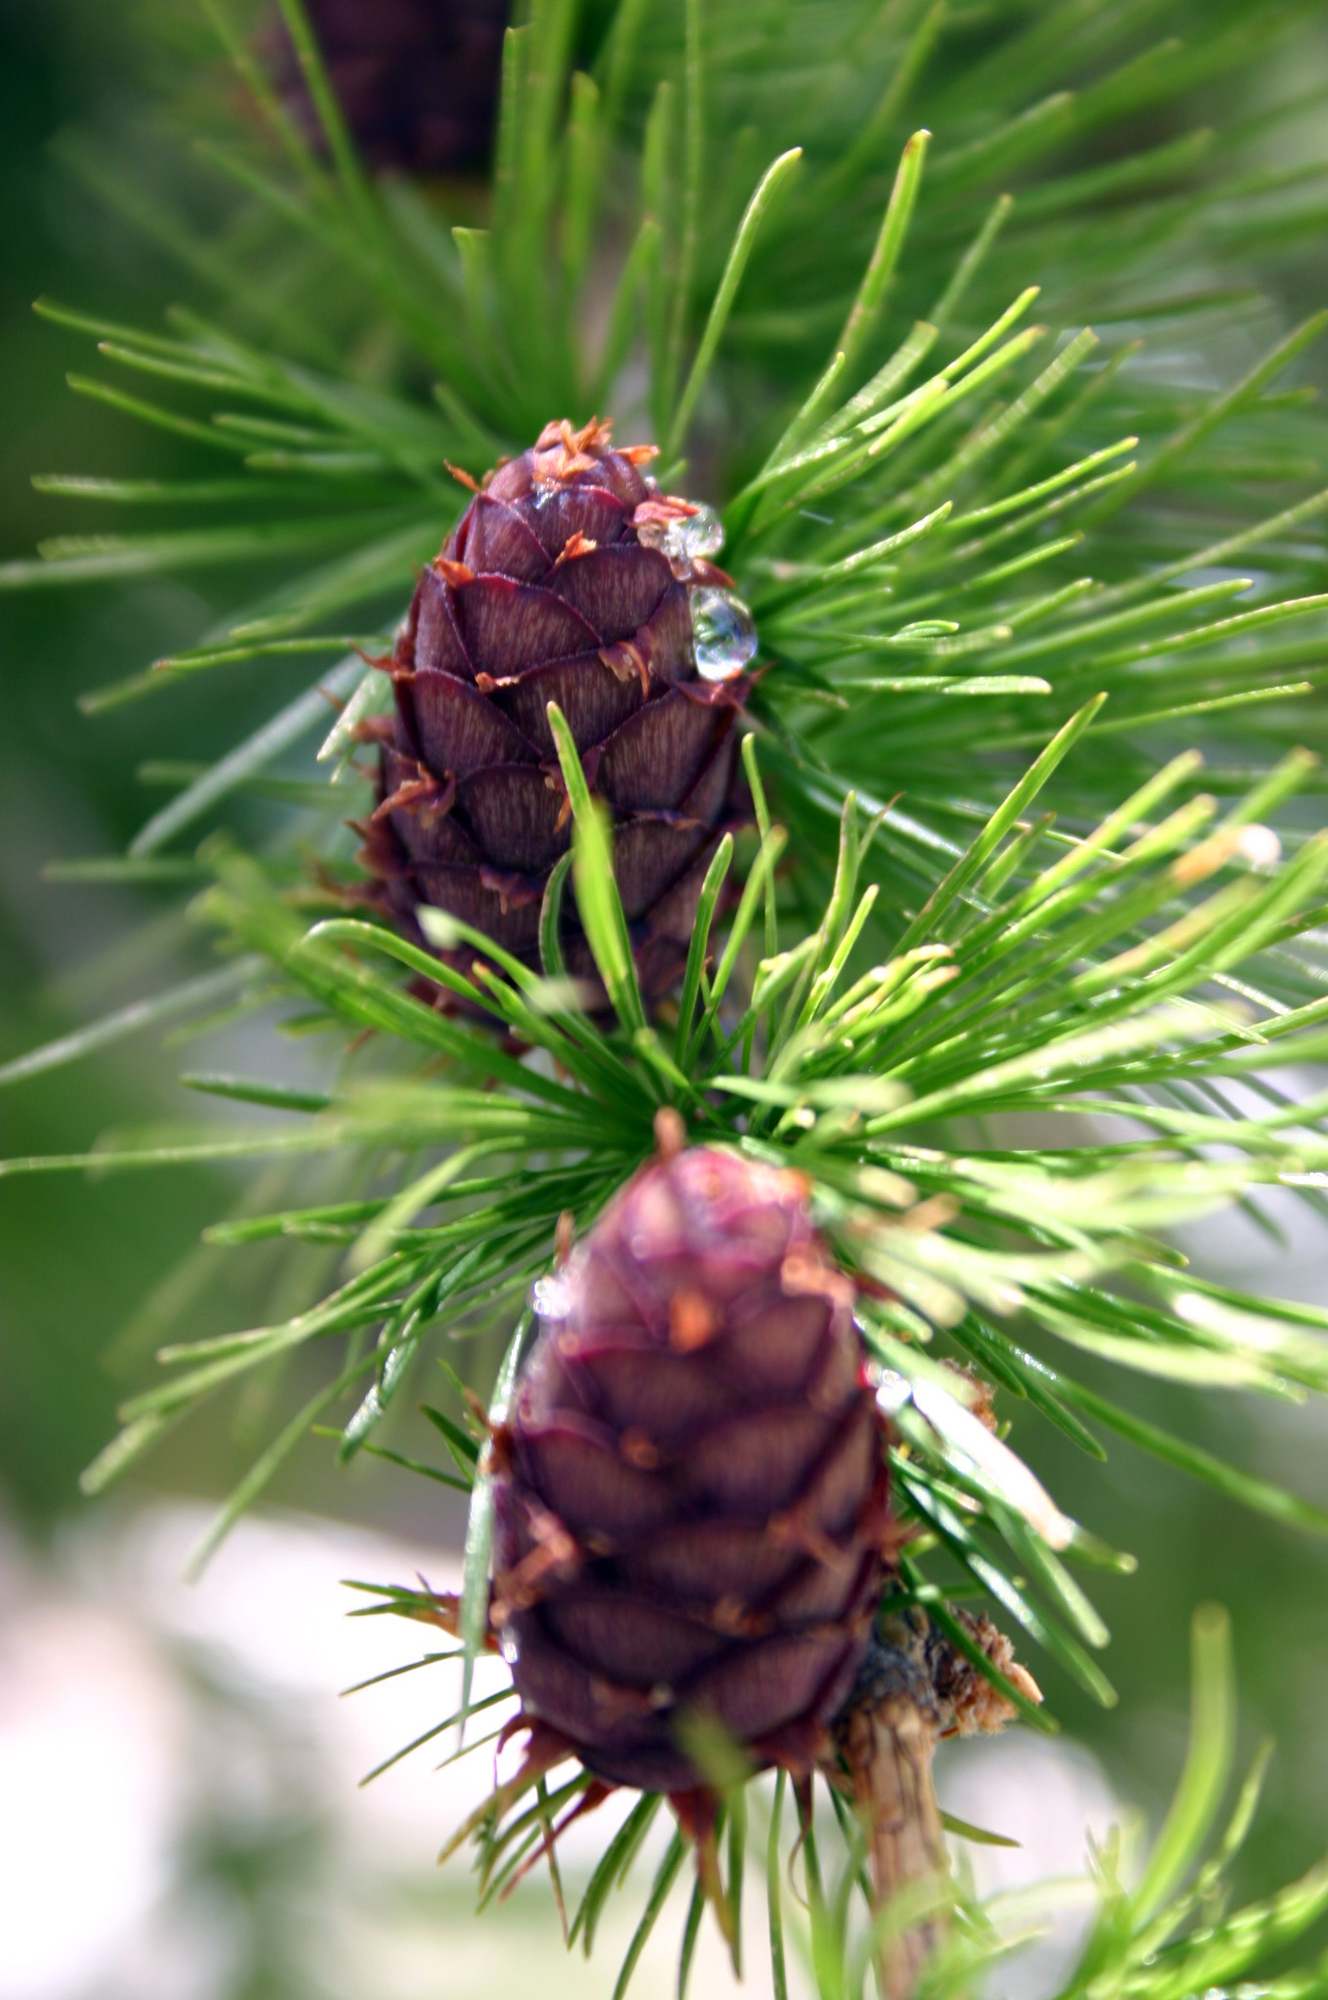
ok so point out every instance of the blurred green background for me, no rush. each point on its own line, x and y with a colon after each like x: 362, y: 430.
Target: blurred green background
x: 93, y: 1273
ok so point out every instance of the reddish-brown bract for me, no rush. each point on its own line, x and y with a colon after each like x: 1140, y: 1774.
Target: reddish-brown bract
x: 547, y: 592
x: 691, y: 1489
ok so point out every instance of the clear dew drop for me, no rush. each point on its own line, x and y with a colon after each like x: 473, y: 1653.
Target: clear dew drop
x: 551, y: 1298
x: 723, y: 633
x: 700, y: 535
x: 892, y: 1392
x: 692, y: 538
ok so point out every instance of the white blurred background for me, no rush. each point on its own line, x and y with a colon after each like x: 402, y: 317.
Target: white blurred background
x: 180, y: 1814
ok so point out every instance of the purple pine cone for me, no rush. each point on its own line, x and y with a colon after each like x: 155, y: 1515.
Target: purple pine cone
x: 691, y: 1490
x: 570, y: 578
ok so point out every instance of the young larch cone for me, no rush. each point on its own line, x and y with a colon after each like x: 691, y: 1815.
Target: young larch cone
x: 416, y: 80
x: 691, y: 1489
x: 571, y: 579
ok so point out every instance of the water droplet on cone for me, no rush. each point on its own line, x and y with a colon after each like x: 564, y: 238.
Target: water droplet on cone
x: 694, y: 537
x: 723, y: 633
x: 700, y: 535
x: 551, y: 1298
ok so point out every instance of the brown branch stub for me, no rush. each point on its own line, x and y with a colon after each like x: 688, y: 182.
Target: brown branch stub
x: 913, y: 1688
x: 670, y: 1133
x: 886, y: 1738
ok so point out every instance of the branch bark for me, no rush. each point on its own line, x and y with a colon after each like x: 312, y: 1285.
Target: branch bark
x: 914, y: 1688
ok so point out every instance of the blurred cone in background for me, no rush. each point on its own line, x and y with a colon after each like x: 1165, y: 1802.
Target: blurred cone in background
x: 417, y: 80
